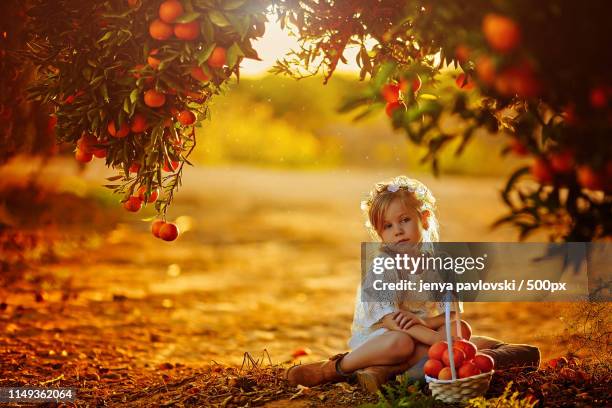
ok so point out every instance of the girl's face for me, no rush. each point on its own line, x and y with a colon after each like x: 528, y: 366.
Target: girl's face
x: 402, y: 224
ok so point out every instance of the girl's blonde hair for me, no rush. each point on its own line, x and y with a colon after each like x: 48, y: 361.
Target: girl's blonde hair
x: 413, y: 194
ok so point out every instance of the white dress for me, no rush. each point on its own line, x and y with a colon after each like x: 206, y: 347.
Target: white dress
x: 368, y: 315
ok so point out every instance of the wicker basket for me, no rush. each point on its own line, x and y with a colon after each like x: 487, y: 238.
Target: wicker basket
x: 457, y: 389
x: 461, y: 389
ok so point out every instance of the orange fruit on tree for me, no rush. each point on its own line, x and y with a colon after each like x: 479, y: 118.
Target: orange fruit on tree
x: 134, y: 167
x: 99, y: 153
x: 154, y: 99
x: 598, y: 98
x: 152, y: 197
x: 187, y: 31
x: 518, y: 147
x: 133, y: 3
x: 155, y: 227
x: 464, y: 82
x: 136, y: 70
x: 462, y: 53
x: 118, y: 133
x: 170, y: 10
x: 168, y: 231
x: 414, y: 84
x: 540, y: 169
x: 83, y: 156
x: 86, y: 142
x: 151, y: 60
x: 563, y: 161
x: 218, y: 58
x: 159, y: 30
x: 139, y: 123
x: 132, y: 204
x: 501, y: 32
x: 186, y: 117
x: 590, y: 179
x: 168, y: 167
x: 392, y: 107
x: 485, y: 69
x: 199, y: 74
x: 390, y: 92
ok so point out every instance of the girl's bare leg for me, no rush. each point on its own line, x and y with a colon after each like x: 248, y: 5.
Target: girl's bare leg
x: 394, y: 347
x: 389, y: 348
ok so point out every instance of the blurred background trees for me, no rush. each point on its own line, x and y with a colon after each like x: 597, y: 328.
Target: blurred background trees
x: 129, y: 81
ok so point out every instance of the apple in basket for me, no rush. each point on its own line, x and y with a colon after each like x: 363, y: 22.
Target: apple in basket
x: 468, y: 348
x: 484, y: 362
x: 468, y: 369
x: 468, y: 361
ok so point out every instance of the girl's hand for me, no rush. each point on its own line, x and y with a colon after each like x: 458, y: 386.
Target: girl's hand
x: 405, y: 320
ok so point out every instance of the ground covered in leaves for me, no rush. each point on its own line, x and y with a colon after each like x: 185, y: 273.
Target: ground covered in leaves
x: 263, y: 272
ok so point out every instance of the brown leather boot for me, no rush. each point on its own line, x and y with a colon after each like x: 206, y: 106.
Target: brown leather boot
x: 321, y: 372
x: 513, y: 355
x: 371, y: 378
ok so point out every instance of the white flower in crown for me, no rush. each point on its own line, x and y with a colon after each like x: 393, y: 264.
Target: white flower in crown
x: 421, y: 192
x: 392, y: 188
x: 368, y: 224
x: 364, y: 205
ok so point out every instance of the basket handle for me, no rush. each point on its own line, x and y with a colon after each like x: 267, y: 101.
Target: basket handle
x: 449, y: 338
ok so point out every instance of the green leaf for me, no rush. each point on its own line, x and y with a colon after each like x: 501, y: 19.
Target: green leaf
x: 218, y: 18
x: 188, y: 17
x: 428, y: 97
x: 104, y: 92
x: 232, y: 4
x: 207, y: 29
x: 134, y: 96
x: 126, y: 105
x: 105, y: 37
x: 233, y: 54
x: 87, y: 73
x: 203, y: 55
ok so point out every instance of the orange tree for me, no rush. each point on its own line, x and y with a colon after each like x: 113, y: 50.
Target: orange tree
x: 534, y: 73
x: 128, y: 80
x: 26, y: 128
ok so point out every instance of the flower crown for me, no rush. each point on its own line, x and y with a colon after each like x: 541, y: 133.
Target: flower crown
x: 422, y: 193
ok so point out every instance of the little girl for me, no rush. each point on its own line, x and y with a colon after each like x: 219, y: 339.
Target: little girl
x: 390, y: 337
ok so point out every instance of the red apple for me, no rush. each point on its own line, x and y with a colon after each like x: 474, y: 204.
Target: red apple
x: 445, y: 374
x: 468, y: 348
x: 468, y: 369
x: 433, y: 367
x: 437, y: 349
x: 458, y: 357
x: 484, y: 362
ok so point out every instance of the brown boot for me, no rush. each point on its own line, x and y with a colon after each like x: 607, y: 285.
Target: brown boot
x: 317, y: 373
x: 371, y: 378
x: 513, y: 355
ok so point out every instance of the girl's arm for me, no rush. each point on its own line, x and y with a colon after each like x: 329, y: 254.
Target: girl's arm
x: 418, y: 332
x: 436, y: 322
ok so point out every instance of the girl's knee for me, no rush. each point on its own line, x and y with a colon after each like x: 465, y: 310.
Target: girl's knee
x: 400, y: 344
